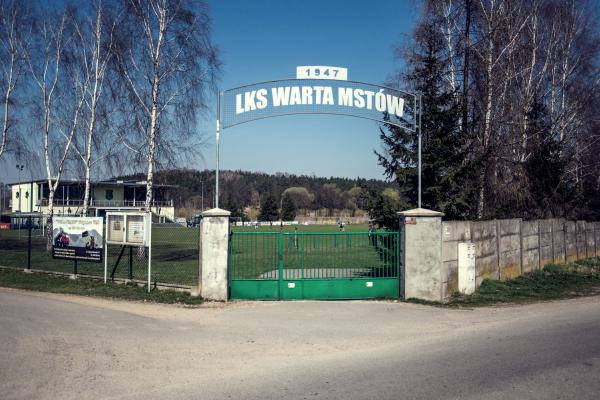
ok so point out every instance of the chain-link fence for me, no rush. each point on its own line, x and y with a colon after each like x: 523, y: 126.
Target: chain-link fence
x: 174, y: 255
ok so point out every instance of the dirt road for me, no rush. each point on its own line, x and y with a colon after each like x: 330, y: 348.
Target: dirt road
x: 67, y: 347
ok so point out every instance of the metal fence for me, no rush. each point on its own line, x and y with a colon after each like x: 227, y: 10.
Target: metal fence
x: 174, y: 255
x: 304, y: 255
x: 314, y: 265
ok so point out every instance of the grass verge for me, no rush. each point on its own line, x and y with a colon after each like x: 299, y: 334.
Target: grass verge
x: 581, y: 278
x: 42, y: 282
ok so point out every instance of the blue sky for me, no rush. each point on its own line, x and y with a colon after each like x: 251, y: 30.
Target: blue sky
x: 261, y: 40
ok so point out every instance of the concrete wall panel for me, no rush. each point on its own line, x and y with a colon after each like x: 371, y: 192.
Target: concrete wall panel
x: 483, y: 234
x: 590, y: 239
x: 570, y: 241
x: 597, y: 236
x: 530, y: 250
x: 509, y: 246
x: 546, y: 250
x: 581, y: 242
x: 558, y: 240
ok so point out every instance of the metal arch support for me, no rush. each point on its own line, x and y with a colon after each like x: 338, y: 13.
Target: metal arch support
x: 418, y: 103
x: 218, y: 145
x: 420, y: 144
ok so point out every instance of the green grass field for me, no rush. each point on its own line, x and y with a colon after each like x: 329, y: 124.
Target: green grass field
x: 324, y: 254
x: 303, y: 228
x: 174, y: 256
x: 43, y: 282
x: 175, y: 253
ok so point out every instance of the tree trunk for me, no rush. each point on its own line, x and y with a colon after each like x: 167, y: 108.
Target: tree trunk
x: 486, y: 128
x: 151, y: 153
x: 86, y: 195
x: 88, y: 157
x: 49, y: 228
x: 5, y: 122
x: 467, y: 44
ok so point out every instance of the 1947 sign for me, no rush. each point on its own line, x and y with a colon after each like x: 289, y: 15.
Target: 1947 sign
x: 321, y: 72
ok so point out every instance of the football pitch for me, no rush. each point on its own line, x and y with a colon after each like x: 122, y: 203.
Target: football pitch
x: 174, y: 253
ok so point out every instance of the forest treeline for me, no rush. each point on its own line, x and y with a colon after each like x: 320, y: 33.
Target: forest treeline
x: 510, y: 109
x: 240, y: 190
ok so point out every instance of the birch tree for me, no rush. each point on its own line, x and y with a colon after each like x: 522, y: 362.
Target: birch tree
x: 529, y: 71
x: 500, y: 25
x: 93, y: 50
x: 59, y: 97
x: 12, y: 18
x: 168, y: 63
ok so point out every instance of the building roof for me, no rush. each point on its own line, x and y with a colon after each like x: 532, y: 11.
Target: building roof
x: 109, y: 182
x: 120, y: 182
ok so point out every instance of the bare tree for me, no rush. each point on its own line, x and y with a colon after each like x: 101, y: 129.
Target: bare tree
x: 92, y: 54
x: 168, y: 62
x: 529, y: 74
x: 501, y: 23
x: 49, y: 68
x: 12, y: 17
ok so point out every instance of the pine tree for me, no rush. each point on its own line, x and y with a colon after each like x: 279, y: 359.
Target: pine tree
x: 268, y: 208
x: 288, y: 208
x: 446, y: 167
x: 548, y: 192
x: 232, y: 206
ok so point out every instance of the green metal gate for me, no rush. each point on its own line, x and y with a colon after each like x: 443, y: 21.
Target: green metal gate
x: 315, y: 265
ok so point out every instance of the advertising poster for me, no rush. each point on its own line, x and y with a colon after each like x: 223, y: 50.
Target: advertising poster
x: 77, y: 238
x: 115, y: 228
x: 135, y: 229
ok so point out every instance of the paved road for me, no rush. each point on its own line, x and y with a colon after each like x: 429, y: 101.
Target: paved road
x: 61, y: 347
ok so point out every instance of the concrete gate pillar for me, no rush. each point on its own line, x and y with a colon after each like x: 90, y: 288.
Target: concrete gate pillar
x: 214, y: 246
x: 421, y: 231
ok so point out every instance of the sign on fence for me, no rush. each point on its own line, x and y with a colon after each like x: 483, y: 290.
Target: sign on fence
x: 128, y: 228
x: 77, y: 238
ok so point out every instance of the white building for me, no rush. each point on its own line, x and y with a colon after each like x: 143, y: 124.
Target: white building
x: 110, y: 195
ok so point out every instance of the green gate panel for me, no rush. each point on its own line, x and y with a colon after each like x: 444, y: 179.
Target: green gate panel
x: 254, y: 289
x: 314, y: 265
x: 340, y: 289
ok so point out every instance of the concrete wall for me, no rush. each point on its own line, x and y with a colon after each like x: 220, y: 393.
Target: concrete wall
x: 453, y: 232
x: 597, y: 238
x: 483, y: 234
x: 590, y: 237
x: 530, y: 246
x: 508, y: 248
x: 570, y: 240
x: 546, y: 248
x: 580, y: 235
x: 558, y: 241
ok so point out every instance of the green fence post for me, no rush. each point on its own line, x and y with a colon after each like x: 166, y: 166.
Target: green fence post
x: 280, y: 263
x: 398, y: 262
x: 29, y: 246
